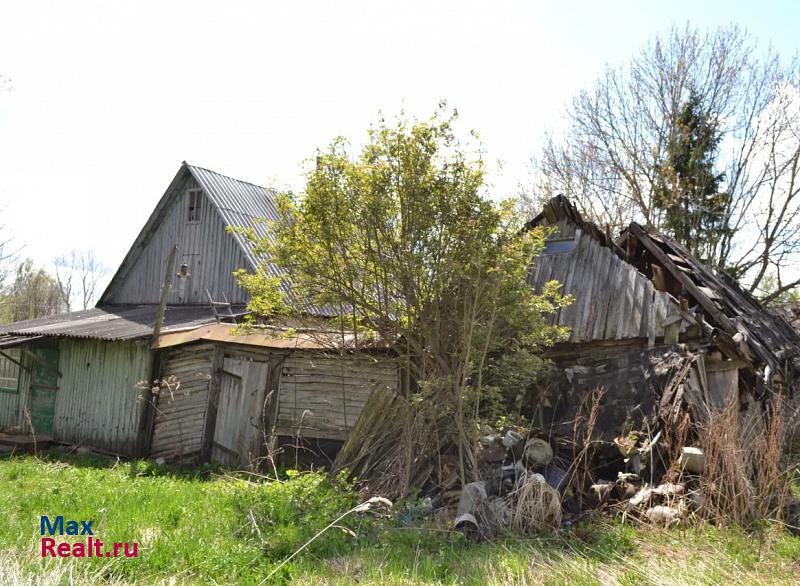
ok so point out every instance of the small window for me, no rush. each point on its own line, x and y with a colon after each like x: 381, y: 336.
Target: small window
x: 9, y: 372
x: 559, y: 246
x: 195, y: 204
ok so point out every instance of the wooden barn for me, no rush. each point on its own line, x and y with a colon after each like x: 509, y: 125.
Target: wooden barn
x: 654, y: 328
x: 86, y: 378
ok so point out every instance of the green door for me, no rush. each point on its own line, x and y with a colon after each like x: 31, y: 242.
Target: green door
x: 44, y: 384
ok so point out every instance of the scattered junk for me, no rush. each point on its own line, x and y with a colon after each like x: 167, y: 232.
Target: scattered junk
x: 521, y: 490
x: 692, y: 460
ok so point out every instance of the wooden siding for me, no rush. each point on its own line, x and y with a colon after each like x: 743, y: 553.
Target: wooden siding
x: 205, y: 246
x: 181, y: 412
x: 613, y: 300
x: 321, y: 396
x: 98, y: 402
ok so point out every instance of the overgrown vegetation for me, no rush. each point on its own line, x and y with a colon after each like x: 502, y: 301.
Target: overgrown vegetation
x: 404, y: 243
x: 205, y: 526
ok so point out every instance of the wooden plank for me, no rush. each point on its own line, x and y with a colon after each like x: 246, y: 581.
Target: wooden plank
x: 213, y: 402
x: 599, y: 295
x: 588, y: 273
x: 706, y: 303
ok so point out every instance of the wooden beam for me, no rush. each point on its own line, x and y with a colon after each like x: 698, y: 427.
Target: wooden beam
x: 214, y: 387
x: 166, y: 287
x: 687, y: 283
x: 15, y: 361
x: 148, y: 418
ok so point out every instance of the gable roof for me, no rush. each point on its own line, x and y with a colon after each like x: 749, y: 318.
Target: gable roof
x: 239, y: 203
x: 738, y: 322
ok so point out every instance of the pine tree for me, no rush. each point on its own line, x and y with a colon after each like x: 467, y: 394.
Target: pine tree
x: 694, y: 208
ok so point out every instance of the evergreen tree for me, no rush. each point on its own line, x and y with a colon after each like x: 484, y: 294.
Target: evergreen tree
x: 689, y: 193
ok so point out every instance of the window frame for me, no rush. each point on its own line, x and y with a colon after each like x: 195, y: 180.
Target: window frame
x: 11, y: 390
x: 193, y: 213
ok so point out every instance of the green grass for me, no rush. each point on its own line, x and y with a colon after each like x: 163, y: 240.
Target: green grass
x: 206, y: 526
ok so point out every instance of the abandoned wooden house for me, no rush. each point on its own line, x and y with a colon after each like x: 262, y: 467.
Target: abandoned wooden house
x: 87, y: 377
x: 654, y: 328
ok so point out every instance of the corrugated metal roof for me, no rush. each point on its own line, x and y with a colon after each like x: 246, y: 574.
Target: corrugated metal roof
x: 9, y: 341
x: 240, y: 203
x: 245, y: 205
x: 111, y: 322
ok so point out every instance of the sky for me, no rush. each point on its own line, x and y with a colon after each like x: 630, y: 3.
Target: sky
x: 105, y: 99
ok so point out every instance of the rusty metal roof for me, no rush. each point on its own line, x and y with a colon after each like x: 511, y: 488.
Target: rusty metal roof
x: 264, y: 337
x: 109, y: 323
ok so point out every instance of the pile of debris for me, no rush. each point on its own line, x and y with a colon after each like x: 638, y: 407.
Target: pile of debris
x: 666, y: 504
x: 531, y: 480
x: 521, y: 487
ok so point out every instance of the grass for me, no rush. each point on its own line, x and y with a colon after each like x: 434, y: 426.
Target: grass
x: 206, y: 526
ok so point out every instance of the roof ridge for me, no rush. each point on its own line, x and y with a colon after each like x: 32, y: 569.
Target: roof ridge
x: 272, y: 189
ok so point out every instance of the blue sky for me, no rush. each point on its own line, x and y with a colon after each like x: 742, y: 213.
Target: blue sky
x: 107, y: 98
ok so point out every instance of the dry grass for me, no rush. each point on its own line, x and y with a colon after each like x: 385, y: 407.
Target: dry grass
x: 743, y: 480
x: 535, y: 506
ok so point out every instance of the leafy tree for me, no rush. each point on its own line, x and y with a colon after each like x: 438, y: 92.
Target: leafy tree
x: 689, y: 188
x: 34, y: 293
x: 403, y: 243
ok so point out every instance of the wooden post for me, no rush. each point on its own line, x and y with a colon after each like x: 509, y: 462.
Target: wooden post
x: 165, y: 291
x: 148, y: 417
x: 214, y: 387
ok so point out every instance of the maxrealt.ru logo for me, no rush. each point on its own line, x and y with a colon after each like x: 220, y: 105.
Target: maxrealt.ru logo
x: 91, y: 547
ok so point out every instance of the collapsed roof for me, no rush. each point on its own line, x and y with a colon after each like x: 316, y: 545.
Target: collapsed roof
x: 737, y: 323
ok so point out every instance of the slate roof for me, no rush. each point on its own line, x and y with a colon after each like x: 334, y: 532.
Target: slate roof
x: 124, y: 322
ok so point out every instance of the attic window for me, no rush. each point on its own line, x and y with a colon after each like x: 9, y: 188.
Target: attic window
x: 195, y: 204
x: 559, y: 246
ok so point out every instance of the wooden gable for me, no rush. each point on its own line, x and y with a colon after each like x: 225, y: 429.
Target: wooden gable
x: 613, y: 300
x: 185, y: 217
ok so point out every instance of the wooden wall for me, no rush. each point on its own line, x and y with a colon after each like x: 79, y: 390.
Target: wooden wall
x: 632, y: 377
x: 9, y: 393
x: 98, y: 399
x: 613, y: 300
x: 209, y: 251
x: 181, y: 412
x: 316, y: 395
x: 322, y: 396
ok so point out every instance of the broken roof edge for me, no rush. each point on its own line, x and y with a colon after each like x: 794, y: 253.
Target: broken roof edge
x: 559, y: 207
x: 770, y: 348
